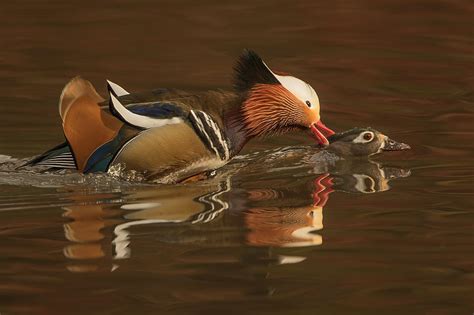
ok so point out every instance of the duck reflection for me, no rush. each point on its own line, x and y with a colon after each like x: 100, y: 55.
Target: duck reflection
x: 84, y: 231
x: 211, y: 215
x: 297, y: 226
x: 284, y: 226
x: 287, y: 226
x: 362, y: 176
x: 101, y: 230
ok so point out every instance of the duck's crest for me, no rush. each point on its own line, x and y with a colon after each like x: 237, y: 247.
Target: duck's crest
x: 250, y: 70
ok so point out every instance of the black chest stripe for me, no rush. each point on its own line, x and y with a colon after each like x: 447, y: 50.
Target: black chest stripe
x: 210, y: 133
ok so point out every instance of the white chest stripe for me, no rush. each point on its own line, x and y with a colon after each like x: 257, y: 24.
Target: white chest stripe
x: 203, y: 131
x: 212, y: 134
x: 218, y: 133
x: 139, y: 120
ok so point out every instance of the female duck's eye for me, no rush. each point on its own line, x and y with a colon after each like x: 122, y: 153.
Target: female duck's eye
x: 367, y: 136
x: 308, y: 103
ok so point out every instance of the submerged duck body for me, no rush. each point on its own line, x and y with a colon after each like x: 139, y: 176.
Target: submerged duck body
x: 168, y: 135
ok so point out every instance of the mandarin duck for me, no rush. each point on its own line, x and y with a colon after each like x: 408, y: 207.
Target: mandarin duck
x: 169, y: 135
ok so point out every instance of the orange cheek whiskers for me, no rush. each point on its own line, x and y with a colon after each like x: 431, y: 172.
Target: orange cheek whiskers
x: 269, y: 109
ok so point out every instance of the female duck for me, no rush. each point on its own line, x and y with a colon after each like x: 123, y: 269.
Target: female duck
x: 362, y: 142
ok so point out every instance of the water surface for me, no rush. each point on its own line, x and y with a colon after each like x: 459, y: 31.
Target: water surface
x: 275, y: 231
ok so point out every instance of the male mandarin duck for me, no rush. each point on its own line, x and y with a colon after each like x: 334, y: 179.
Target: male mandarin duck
x: 169, y: 135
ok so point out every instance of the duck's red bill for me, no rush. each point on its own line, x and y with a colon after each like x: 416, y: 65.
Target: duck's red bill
x: 325, y: 130
x: 319, y: 136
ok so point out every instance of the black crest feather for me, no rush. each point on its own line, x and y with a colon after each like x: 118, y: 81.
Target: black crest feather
x: 250, y: 70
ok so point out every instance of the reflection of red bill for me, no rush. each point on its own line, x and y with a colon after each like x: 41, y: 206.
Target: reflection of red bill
x: 322, y: 188
x: 319, y: 136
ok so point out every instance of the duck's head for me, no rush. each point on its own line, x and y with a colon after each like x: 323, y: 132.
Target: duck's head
x: 276, y: 102
x: 363, y: 142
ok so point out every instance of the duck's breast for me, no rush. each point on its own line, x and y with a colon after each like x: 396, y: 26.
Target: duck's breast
x: 166, y: 154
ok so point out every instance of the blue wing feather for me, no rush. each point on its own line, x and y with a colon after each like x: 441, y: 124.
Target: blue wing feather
x: 159, y: 110
x: 100, y: 160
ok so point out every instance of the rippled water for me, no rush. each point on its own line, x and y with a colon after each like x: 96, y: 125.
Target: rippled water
x: 279, y: 230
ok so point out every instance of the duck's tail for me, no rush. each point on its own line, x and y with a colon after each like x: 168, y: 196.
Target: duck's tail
x: 59, y: 157
x: 85, y: 126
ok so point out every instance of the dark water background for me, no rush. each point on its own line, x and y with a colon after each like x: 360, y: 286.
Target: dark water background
x: 259, y: 237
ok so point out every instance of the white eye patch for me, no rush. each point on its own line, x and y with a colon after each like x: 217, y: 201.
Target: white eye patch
x: 302, y: 90
x: 364, y: 137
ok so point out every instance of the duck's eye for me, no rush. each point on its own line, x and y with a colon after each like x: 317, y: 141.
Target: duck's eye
x: 368, y: 136
x: 308, y: 103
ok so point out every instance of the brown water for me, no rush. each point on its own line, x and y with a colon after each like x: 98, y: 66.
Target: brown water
x: 272, y: 232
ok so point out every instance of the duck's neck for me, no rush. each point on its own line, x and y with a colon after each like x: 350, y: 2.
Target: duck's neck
x: 235, y: 128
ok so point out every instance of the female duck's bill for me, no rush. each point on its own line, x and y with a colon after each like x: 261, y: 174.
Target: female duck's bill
x: 392, y: 145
